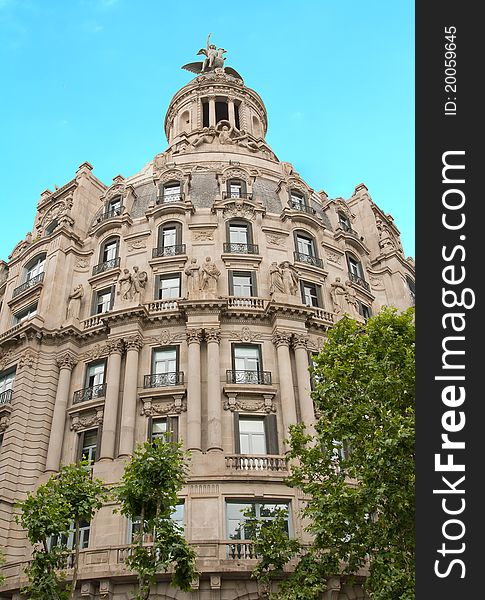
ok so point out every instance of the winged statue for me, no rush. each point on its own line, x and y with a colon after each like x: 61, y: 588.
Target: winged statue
x: 214, y: 59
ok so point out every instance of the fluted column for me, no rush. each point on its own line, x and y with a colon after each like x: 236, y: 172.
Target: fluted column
x: 115, y: 349
x: 212, y: 111
x: 307, y: 411
x: 133, y: 346
x: 194, y: 404
x: 281, y: 339
x: 214, y: 405
x: 66, y: 362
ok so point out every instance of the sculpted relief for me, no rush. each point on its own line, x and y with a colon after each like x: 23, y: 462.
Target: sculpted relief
x: 202, y: 280
x: 131, y: 286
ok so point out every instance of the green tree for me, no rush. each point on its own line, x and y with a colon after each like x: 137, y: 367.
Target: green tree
x: 359, y: 474
x: 148, y: 494
x: 64, y: 501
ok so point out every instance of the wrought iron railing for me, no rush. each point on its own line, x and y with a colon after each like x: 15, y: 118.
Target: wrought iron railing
x: 168, y: 251
x: 301, y: 206
x: 106, y: 266
x: 6, y: 397
x: 359, y: 281
x: 237, y: 248
x: 28, y: 284
x: 236, y: 195
x: 110, y: 213
x: 169, y: 198
x: 90, y: 393
x: 309, y: 259
x: 251, y: 377
x: 164, y: 379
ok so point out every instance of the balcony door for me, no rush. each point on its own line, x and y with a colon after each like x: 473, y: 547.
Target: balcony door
x: 164, y: 361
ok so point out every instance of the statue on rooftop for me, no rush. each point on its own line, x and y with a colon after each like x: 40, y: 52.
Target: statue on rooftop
x: 213, y: 60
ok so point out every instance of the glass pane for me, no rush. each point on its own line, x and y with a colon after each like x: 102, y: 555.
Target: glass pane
x: 251, y: 425
x: 238, y: 234
x: 170, y: 288
x: 110, y: 251
x: 305, y: 246
x: 169, y: 237
x: 165, y: 361
x: 235, y: 190
x: 242, y: 285
x: 159, y: 428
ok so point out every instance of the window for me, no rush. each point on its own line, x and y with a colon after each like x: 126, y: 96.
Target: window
x: 169, y: 239
x: 305, y: 245
x: 95, y: 374
x: 170, y: 192
x: 364, y: 310
x: 88, y: 448
x: 222, y: 111
x: 109, y: 250
x: 255, y: 434
x: 412, y: 289
x: 238, y: 233
x: 68, y: 541
x: 25, y: 314
x: 344, y: 221
x: 355, y: 267
x: 261, y: 510
x: 169, y: 286
x: 178, y: 516
x: 51, y: 227
x: 236, y: 188
x: 164, y: 360
x: 160, y: 426
x: 242, y: 283
x: 311, y: 294
x: 6, y: 386
x: 247, y: 358
x: 114, y: 207
x: 205, y: 113
x: 240, y: 238
x: 34, y: 267
x: 103, y: 301
x: 297, y: 200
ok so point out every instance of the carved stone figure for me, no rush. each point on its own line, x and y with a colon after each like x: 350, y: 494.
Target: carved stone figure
x: 213, y: 60
x: 209, y: 277
x: 225, y: 135
x: 244, y: 141
x: 74, y: 302
x: 385, y: 236
x: 124, y: 283
x: 193, y: 279
x: 206, y: 136
x: 138, y: 283
x: 275, y: 279
x: 338, y: 295
x: 351, y: 297
x: 289, y: 277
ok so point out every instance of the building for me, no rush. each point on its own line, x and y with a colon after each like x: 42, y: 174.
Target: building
x: 187, y: 297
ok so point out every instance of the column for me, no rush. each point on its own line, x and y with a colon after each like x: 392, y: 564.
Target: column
x: 133, y: 345
x: 66, y: 363
x: 194, y: 404
x: 212, y: 111
x: 230, y: 108
x: 214, y: 405
x: 307, y: 411
x: 281, y: 339
x: 115, y: 349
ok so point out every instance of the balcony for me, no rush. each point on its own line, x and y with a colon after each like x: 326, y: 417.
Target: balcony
x: 245, y: 302
x: 241, y: 550
x: 170, y: 198
x: 28, y: 284
x: 236, y: 196
x: 159, y: 380
x: 6, y: 397
x: 237, y: 248
x: 359, y: 281
x: 308, y: 259
x: 248, y: 377
x: 302, y: 207
x: 106, y: 266
x: 263, y: 462
x: 90, y: 393
x: 348, y: 229
x: 168, y: 251
x: 110, y: 213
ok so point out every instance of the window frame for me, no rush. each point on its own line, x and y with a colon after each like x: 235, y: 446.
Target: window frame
x: 81, y: 445
x: 270, y: 433
x: 172, y: 427
x: 236, y: 345
x: 301, y: 233
x: 90, y: 365
x: 235, y: 181
x: 108, y: 241
x: 173, y: 183
x: 252, y: 277
x: 318, y: 292
x: 161, y: 348
x: 163, y: 277
x: 296, y: 196
x: 7, y: 380
x: 177, y: 226
x: 257, y: 503
x: 38, y: 259
x: 240, y: 223
x: 357, y: 262
x: 30, y: 311
x: 102, y: 291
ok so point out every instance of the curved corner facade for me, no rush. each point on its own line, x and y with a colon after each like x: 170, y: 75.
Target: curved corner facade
x: 188, y: 297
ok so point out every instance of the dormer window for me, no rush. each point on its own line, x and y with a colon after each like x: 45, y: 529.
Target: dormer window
x: 113, y: 208
x: 344, y: 222
x: 170, y: 192
x: 34, y: 267
x: 51, y: 227
x: 297, y: 200
x: 236, y: 188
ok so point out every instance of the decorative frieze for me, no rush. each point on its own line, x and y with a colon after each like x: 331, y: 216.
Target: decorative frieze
x: 81, y: 420
x: 266, y: 405
x: 27, y: 360
x: 175, y: 406
x: 115, y: 346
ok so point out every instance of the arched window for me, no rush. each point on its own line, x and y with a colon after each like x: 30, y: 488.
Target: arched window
x: 169, y: 240
x: 356, y: 271
x: 35, y: 267
x: 114, y: 207
x: 108, y: 255
x: 306, y: 249
x: 51, y: 227
x: 240, y: 237
x: 299, y: 201
x: 170, y: 192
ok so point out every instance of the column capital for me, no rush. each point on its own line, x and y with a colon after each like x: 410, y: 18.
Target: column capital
x: 115, y: 346
x: 281, y: 338
x: 213, y: 335
x: 67, y: 360
x: 194, y: 335
x: 300, y: 340
x: 134, y: 342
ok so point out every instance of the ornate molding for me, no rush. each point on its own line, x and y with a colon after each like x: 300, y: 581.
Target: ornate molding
x: 281, y: 338
x: 245, y: 335
x: 27, y: 359
x: 4, y: 422
x: 300, y: 341
x: 133, y: 342
x: 115, y: 346
x: 204, y: 235
x: 85, y: 420
x: 333, y: 257
x: 258, y: 406
x: 193, y: 335
x: 98, y: 351
x: 238, y: 209
x: 213, y: 335
x: 5, y: 358
x: 66, y: 361
x: 168, y: 407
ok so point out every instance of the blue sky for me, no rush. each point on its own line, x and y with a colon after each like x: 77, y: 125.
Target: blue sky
x: 90, y: 80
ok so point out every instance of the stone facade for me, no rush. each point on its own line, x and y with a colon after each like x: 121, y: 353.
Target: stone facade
x: 188, y: 296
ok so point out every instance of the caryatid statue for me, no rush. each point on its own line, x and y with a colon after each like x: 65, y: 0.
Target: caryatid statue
x: 74, y: 303
x: 193, y: 279
x: 208, y: 280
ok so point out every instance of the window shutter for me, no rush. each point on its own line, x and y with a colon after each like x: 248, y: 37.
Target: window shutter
x: 231, y: 285
x: 302, y: 291
x: 80, y: 444
x: 112, y: 297
x: 173, y: 427
x: 271, y: 434
x: 237, y: 441
x: 254, y: 289
x: 250, y: 233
